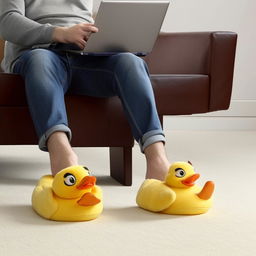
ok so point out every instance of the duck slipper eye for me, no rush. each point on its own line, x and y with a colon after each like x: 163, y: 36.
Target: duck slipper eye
x: 89, y: 172
x: 69, y: 179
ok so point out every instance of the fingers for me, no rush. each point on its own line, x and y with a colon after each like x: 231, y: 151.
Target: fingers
x: 89, y: 28
x: 80, y: 33
x: 94, y: 29
x: 81, y: 44
x: 86, y: 37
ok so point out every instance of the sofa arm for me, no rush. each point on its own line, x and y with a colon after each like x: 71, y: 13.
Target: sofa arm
x: 206, y: 53
x: 180, y: 53
x: 221, y: 69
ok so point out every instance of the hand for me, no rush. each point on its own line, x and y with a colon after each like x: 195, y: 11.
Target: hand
x: 77, y: 34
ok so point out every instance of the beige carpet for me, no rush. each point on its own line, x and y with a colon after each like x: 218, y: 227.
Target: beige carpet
x: 229, y: 228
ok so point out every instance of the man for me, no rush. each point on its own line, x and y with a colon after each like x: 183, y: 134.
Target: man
x: 32, y: 28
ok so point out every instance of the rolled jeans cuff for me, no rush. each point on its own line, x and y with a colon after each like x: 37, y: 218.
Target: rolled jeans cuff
x: 150, y: 138
x: 57, y: 128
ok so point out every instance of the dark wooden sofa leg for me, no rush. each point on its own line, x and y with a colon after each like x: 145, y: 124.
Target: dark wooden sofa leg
x: 121, y: 164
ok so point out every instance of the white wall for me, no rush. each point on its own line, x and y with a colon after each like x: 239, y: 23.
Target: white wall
x: 234, y: 15
x: 230, y: 15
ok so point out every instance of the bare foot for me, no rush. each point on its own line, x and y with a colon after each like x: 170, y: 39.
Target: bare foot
x: 61, y: 153
x: 61, y: 161
x: 157, y: 162
x: 157, y: 168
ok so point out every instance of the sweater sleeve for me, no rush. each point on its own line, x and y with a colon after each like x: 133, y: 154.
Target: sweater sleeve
x: 18, y: 29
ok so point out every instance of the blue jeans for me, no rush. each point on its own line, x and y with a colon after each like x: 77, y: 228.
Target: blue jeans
x: 48, y: 74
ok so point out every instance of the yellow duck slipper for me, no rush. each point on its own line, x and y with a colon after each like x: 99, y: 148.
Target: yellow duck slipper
x: 71, y: 195
x: 177, y: 194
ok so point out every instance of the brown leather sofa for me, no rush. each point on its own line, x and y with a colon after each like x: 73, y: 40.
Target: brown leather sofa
x: 190, y: 73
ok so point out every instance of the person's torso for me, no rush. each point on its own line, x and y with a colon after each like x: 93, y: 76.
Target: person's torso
x: 59, y: 12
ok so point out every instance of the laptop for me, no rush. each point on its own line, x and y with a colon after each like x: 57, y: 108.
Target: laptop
x: 126, y: 26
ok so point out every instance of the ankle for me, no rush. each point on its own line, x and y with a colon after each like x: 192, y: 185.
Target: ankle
x: 157, y: 162
x: 62, y: 161
x: 60, y: 152
x: 157, y: 169
x: 155, y: 152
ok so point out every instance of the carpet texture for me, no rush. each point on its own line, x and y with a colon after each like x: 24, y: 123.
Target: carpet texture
x: 229, y: 228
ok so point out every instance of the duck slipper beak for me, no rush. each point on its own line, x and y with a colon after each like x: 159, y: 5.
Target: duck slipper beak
x: 87, y: 182
x: 190, y: 180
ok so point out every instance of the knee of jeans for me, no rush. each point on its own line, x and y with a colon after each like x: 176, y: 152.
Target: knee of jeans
x: 129, y: 60
x: 40, y: 59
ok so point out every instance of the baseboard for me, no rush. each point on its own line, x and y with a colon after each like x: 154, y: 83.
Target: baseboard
x: 240, y: 116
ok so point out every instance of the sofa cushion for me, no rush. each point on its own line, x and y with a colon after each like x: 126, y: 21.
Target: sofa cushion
x: 189, y: 92
x: 12, y: 90
x: 181, y: 94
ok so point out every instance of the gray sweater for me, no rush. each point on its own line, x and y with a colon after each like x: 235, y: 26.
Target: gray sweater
x: 25, y: 24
